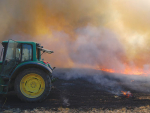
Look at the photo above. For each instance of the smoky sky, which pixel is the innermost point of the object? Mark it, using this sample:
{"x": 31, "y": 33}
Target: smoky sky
{"x": 85, "y": 33}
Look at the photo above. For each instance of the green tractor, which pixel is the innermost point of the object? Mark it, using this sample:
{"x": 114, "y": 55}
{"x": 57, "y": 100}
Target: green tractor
{"x": 22, "y": 70}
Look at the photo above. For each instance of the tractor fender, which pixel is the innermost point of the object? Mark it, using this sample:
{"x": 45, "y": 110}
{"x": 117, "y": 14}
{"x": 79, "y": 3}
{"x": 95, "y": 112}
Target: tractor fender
{"x": 23, "y": 66}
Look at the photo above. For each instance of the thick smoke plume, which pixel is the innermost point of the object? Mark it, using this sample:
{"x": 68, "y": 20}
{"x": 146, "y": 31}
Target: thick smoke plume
{"x": 104, "y": 28}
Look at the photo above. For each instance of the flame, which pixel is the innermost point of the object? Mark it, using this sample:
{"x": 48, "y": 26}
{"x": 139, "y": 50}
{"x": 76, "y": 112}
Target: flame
{"x": 126, "y": 93}
{"x": 108, "y": 70}
{"x": 127, "y": 70}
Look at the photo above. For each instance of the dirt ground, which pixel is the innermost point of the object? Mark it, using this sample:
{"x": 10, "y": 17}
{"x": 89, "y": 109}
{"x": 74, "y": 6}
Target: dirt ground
{"x": 80, "y": 95}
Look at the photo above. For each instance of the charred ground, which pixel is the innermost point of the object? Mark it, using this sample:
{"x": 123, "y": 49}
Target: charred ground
{"x": 76, "y": 91}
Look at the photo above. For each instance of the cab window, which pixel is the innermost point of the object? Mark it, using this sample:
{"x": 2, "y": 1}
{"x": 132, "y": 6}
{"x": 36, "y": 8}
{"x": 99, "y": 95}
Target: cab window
{"x": 26, "y": 52}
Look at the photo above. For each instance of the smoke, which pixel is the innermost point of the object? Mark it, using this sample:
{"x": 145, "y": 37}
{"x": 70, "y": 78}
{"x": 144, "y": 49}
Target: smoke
{"x": 127, "y": 21}
{"x": 98, "y": 79}
{"x": 39, "y": 17}
{"x": 97, "y": 46}
{"x": 113, "y": 83}
{"x": 133, "y": 28}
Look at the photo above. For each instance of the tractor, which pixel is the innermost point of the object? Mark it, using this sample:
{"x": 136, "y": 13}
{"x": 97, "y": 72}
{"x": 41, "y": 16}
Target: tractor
{"x": 23, "y": 71}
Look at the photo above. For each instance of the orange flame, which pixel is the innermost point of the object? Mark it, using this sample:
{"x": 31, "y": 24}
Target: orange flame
{"x": 127, "y": 70}
{"x": 126, "y": 93}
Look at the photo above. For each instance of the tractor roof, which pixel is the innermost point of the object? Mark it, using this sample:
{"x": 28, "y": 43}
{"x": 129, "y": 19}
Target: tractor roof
{"x": 24, "y": 42}
{"x": 38, "y": 45}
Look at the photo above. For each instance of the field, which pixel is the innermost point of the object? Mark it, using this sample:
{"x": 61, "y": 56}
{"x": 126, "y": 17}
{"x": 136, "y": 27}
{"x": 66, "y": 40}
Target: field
{"x": 86, "y": 93}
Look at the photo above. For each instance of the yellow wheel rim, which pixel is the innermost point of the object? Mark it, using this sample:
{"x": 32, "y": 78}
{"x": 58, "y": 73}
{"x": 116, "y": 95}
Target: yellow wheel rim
{"x": 32, "y": 85}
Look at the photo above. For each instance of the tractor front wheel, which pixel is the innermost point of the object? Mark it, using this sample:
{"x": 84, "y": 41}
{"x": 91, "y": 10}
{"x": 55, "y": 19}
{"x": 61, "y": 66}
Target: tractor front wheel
{"x": 32, "y": 85}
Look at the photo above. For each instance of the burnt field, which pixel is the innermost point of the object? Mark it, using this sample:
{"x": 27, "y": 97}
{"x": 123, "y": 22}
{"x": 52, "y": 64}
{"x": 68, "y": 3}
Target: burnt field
{"x": 82, "y": 89}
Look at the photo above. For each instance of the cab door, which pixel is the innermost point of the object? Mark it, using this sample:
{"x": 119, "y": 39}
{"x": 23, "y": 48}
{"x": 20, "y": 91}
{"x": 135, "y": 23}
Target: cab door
{"x": 11, "y": 58}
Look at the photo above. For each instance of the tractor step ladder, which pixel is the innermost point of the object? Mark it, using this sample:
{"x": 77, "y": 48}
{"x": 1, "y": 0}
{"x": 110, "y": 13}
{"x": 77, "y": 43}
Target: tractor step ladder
{"x": 4, "y": 87}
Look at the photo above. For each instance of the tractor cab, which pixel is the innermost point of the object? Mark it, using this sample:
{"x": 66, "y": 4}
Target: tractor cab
{"x": 18, "y": 57}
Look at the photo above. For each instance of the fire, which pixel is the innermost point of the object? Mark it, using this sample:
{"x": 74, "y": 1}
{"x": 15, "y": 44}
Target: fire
{"x": 108, "y": 70}
{"x": 127, "y": 70}
{"x": 127, "y": 94}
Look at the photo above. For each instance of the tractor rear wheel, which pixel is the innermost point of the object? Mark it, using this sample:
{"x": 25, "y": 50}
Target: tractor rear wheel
{"x": 32, "y": 85}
